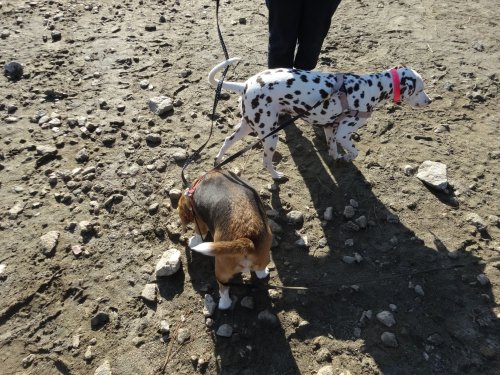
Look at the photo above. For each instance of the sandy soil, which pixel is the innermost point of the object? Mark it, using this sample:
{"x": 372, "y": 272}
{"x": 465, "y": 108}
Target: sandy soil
{"x": 70, "y": 301}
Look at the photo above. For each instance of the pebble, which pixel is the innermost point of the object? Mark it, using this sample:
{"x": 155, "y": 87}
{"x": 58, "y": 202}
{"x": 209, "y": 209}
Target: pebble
{"x": 246, "y": 302}
{"x": 82, "y": 156}
{"x": 295, "y": 217}
{"x": 408, "y": 170}
{"x": 327, "y": 370}
{"x": 302, "y": 242}
{"x": 349, "y": 242}
{"x": 389, "y": 339}
{"x": 225, "y": 330}
{"x": 88, "y": 356}
{"x": 386, "y": 318}
{"x": 435, "y": 339}
{"x": 348, "y": 259}
{"x": 169, "y": 263}
{"x": 348, "y": 212}
{"x": 49, "y": 242}
{"x": 483, "y": 279}
{"x": 13, "y": 70}
{"x": 160, "y": 105}
{"x": 56, "y": 36}
{"x": 2, "y": 269}
{"x": 46, "y": 150}
{"x": 354, "y": 203}
{"x": 419, "y": 290}
{"x": 267, "y": 318}
{"x": 164, "y": 327}
{"x": 209, "y": 306}
{"x": 476, "y": 220}
{"x": 362, "y": 222}
{"x": 75, "y": 343}
{"x": 16, "y": 210}
{"x": 183, "y": 335}
{"x": 103, "y": 369}
{"x": 153, "y": 139}
{"x": 149, "y": 293}
{"x": 323, "y": 355}
{"x": 99, "y": 319}
{"x": 144, "y": 84}
{"x": 28, "y": 360}
{"x": 434, "y": 175}
{"x": 328, "y": 215}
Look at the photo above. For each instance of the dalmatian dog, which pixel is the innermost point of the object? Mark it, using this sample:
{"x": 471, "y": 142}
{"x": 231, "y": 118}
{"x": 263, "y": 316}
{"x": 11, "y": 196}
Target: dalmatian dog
{"x": 340, "y": 103}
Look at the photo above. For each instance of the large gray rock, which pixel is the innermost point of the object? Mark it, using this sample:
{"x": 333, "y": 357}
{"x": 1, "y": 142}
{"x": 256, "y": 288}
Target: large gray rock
{"x": 433, "y": 174}
{"x": 103, "y": 369}
{"x": 169, "y": 263}
{"x": 160, "y": 105}
{"x": 49, "y": 242}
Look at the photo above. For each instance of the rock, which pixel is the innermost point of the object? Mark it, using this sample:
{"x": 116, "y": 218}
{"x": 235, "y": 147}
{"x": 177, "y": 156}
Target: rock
{"x": 386, "y": 318}
{"x": 108, "y": 140}
{"x": 323, "y": 355}
{"x": 149, "y": 293}
{"x": 43, "y": 150}
{"x": 13, "y": 70}
{"x": 349, "y": 242}
{"x": 174, "y": 195}
{"x": 295, "y": 217}
{"x": 246, "y": 302}
{"x": 49, "y": 242}
{"x": 103, "y": 369}
{"x": 169, "y": 263}
{"x": 153, "y": 139}
{"x": 476, "y": 220}
{"x": 75, "y": 343}
{"x": 88, "y": 356}
{"x": 435, "y": 339}
{"x": 164, "y": 327}
{"x": 389, "y": 339}
{"x": 267, "y": 318}
{"x": 56, "y": 36}
{"x": 100, "y": 319}
{"x": 16, "y": 210}
{"x": 225, "y": 330}
{"x": 348, "y": 259}
{"x": 82, "y": 156}
{"x": 434, "y": 175}
{"x": 160, "y": 105}
{"x": 28, "y": 360}
{"x": 3, "y": 267}
{"x": 183, "y": 335}
{"x": 302, "y": 242}
{"x": 408, "y": 170}
{"x": 209, "y": 306}
{"x": 419, "y": 290}
{"x": 327, "y": 370}
{"x": 77, "y": 250}
{"x": 180, "y": 156}
{"x": 144, "y": 84}
{"x": 483, "y": 279}
{"x": 348, "y": 212}
{"x": 328, "y": 215}
{"x": 362, "y": 222}
{"x": 487, "y": 351}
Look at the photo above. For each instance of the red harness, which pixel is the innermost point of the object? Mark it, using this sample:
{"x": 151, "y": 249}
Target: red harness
{"x": 396, "y": 84}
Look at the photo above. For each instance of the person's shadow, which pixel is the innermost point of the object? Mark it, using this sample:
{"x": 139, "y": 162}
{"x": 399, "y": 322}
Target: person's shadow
{"x": 354, "y": 269}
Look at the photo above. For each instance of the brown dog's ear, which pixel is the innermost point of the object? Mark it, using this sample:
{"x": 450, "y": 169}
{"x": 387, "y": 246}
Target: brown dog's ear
{"x": 185, "y": 210}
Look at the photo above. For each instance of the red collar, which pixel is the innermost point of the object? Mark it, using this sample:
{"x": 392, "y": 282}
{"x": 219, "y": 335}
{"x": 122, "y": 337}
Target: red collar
{"x": 190, "y": 192}
{"x": 396, "y": 84}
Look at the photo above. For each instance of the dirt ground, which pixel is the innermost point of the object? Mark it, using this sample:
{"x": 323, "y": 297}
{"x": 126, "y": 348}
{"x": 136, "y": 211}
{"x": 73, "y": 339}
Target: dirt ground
{"x": 89, "y": 177}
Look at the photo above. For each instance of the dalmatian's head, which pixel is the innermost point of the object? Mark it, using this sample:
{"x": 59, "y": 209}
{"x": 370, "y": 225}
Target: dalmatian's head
{"x": 412, "y": 88}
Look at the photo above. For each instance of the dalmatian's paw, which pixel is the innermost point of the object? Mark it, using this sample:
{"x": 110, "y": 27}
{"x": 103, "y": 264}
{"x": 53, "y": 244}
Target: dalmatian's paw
{"x": 195, "y": 241}
{"x": 279, "y": 176}
{"x": 262, "y": 274}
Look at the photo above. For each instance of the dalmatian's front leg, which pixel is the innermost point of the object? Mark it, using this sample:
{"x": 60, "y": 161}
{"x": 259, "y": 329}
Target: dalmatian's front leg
{"x": 330, "y": 134}
{"x": 242, "y": 130}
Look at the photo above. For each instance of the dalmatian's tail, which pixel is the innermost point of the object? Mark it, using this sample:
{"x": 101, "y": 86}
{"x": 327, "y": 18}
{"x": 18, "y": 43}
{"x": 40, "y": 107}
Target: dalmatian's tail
{"x": 232, "y": 86}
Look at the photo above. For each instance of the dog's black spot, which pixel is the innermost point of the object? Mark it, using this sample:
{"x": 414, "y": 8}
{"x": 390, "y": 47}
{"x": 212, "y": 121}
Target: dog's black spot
{"x": 380, "y": 87}
{"x": 356, "y": 87}
{"x": 362, "y": 95}
{"x": 289, "y": 96}
{"x": 296, "y": 101}
{"x": 269, "y": 99}
{"x": 261, "y": 125}
{"x": 370, "y": 83}
{"x": 303, "y": 78}
{"x": 329, "y": 84}
{"x": 387, "y": 74}
{"x": 260, "y": 81}
{"x": 271, "y": 149}
{"x": 297, "y": 92}
{"x": 369, "y": 107}
{"x": 262, "y": 132}
{"x": 255, "y": 102}
{"x": 323, "y": 112}
{"x": 356, "y": 103}
{"x": 268, "y": 113}
{"x": 257, "y": 118}
{"x": 323, "y": 93}
{"x": 290, "y": 82}
{"x": 372, "y": 99}
{"x": 326, "y": 104}
{"x": 349, "y": 90}
{"x": 317, "y": 79}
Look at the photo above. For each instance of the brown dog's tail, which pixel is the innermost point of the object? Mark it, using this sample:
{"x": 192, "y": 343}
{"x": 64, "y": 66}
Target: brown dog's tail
{"x": 225, "y": 248}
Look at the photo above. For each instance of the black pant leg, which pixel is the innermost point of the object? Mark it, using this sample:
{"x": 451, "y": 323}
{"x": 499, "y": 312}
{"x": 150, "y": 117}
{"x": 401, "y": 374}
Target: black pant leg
{"x": 313, "y": 29}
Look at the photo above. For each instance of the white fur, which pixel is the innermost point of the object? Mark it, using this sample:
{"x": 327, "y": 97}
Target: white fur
{"x": 195, "y": 240}
{"x": 262, "y": 274}
{"x": 204, "y": 248}
{"x": 225, "y": 299}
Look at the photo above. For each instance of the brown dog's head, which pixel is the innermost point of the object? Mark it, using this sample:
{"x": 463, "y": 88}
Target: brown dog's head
{"x": 185, "y": 210}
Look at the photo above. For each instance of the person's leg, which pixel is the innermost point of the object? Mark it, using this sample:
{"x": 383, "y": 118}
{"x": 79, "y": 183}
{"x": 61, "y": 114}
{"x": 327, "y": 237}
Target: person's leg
{"x": 284, "y": 20}
{"x": 313, "y": 29}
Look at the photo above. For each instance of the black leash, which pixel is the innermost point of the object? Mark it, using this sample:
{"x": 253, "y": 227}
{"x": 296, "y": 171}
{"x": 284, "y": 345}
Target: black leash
{"x": 218, "y": 90}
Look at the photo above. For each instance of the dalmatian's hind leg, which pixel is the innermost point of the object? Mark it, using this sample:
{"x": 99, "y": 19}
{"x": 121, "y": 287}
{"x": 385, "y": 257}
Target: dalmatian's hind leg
{"x": 242, "y": 130}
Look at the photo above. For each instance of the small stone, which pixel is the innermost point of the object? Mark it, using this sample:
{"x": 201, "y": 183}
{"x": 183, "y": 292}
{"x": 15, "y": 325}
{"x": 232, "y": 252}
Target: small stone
{"x": 225, "y": 330}
{"x": 103, "y": 369}
{"x": 302, "y": 242}
{"x": 434, "y": 175}
{"x": 354, "y": 203}
{"x": 435, "y": 339}
{"x": 392, "y": 219}
{"x": 419, "y": 290}
{"x": 164, "y": 327}
{"x": 28, "y": 360}
{"x": 150, "y": 27}
{"x": 328, "y": 215}
{"x": 153, "y": 208}
{"x": 149, "y": 293}
{"x": 16, "y": 210}
{"x": 43, "y": 150}
{"x": 56, "y": 36}
{"x": 348, "y": 259}
{"x": 160, "y": 105}
{"x": 362, "y": 222}
{"x": 323, "y": 355}
{"x": 174, "y": 195}
{"x": 267, "y": 318}
{"x": 349, "y": 242}
{"x": 348, "y": 212}
{"x": 295, "y": 217}
{"x": 88, "y": 356}
{"x": 3, "y": 267}
{"x": 100, "y": 319}
{"x": 389, "y": 339}
{"x": 75, "y": 343}
{"x": 77, "y": 250}
{"x": 13, "y": 70}
{"x": 487, "y": 351}
{"x": 144, "y": 84}
{"x": 476, "y": 220}
{"x": 247, "y": 302}
{"x": 483, "y": 279}
{"x": 49, "y": 242}
{"x": 209, "y": 305}
{"x": 153, "y": 139}
{"x": 183, "y": 335}
{"x": 108, "y": 140}
{"x": 327, "y": 370}
{"x": 169, "y": 263}
{"x": 386, "y": 318}
{"x": 82, "y": 156}
{"x": 408, "y": 170}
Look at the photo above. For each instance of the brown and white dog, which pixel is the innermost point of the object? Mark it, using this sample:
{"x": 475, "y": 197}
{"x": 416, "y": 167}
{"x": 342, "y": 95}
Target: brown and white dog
{"x": 227, "y": 207}
{"x": 341, "y": 103}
